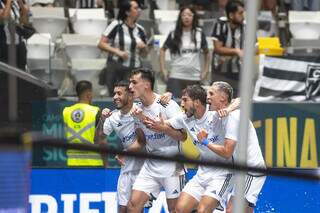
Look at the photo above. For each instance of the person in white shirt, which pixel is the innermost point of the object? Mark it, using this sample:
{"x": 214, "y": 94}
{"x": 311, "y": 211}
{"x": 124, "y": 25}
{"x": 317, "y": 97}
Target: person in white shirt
{"x": 187, "y": 45}
{"x": 209, "y": 186}
{"x": 122, "y": 123}
{"x": 155, "y": 174}
{"x": 219, "y": 95}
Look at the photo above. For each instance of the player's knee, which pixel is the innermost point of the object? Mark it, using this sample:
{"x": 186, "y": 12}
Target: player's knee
{"x": 135, "y": 205}
{"x": 203, "y": 209}
{"x": 132, "y": 206}
{"x": 180, "y": 208}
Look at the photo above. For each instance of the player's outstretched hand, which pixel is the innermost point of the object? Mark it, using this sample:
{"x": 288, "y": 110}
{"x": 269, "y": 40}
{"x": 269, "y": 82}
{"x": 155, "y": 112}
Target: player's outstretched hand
{"x": 106, "y": 113}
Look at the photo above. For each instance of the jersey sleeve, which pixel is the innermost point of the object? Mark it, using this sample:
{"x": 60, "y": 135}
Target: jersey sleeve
{"x": 111, "y": 30}
{"x": 169, "y": 42}
{"x": 219, "y": 32}
{"x": 176, "y": 122}
{"x": 142, "y": 34}
{"x": 172, "y": 109}
{"x": 232, "y": 127}
{"x": 107, "y": 127}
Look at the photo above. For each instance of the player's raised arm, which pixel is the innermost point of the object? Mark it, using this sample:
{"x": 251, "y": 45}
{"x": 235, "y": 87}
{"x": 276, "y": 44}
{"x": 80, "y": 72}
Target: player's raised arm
{"x": 226, "y": 150}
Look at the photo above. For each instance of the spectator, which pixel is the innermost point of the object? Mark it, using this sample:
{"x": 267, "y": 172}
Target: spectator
{"x": 228, "y": 45}
{"x": 124, "y": 40}
{"x": 16, "y": 10}
{"x": 186, "y": 45}
{"x": 80, "y": 121}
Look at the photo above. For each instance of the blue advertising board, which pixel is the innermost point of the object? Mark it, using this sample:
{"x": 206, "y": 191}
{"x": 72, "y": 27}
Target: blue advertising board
{"x": 94, "y": 190}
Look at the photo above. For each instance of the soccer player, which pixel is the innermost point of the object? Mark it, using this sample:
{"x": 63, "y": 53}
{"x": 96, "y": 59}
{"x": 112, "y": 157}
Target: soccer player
{"x": 209, "y": 186}
{"x": 122, "y": 123}
{"x": 155, "y": 174}
{"x": 220, "y": 94}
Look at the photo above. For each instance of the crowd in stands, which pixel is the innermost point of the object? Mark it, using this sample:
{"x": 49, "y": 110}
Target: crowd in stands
{"x": 200, "y": 43}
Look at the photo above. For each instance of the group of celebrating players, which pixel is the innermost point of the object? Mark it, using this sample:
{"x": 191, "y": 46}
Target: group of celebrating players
{"x": 157, "y": 125}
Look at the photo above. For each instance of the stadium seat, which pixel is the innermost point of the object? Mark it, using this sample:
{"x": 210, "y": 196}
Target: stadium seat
{"x": 49, "y": 20}
{"x": 303, "y": 47}
{"x": 166, "y": 20}
{"x": 88, "y": 21}
{"x": 304, "y": 24}
{"x": 270, "y": 46}
{"x": 166, "y": 14}
{"x": 40, "y": 48}
{"x": 88, "y": 69}
{"x": 267, "y": 26}
{"x": 166, "y": 26}
{"x": 81, "y": 46}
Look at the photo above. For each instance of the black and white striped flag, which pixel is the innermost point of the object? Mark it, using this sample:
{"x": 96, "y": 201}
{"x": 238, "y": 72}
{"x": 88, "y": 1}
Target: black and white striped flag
{"x": 287, "y": 79}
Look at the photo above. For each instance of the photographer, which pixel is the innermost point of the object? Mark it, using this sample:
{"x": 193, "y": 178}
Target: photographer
{"x": 17, "y": 11}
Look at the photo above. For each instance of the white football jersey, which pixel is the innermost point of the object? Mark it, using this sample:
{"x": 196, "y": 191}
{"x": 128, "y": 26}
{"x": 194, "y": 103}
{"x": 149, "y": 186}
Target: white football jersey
{"x": 254, "y": 154}
{"x": 160, "y": 143}
{"x": 214, "y": 126}
{"x": 123, "y": 125}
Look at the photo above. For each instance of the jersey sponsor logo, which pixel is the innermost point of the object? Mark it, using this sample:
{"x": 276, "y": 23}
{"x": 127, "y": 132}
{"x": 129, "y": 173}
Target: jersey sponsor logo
{"x": 77, "y": 115}
{"x": 186, "y": 51}
{"x": 214, "y": 138}
{"x": 155, "y": 136}
{"x": 128, "y": 137}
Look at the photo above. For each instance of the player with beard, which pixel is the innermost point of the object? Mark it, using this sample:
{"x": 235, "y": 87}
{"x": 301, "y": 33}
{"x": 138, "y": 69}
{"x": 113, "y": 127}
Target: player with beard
{"x": 122, "y": 123}
{"x": 209, "y": 186}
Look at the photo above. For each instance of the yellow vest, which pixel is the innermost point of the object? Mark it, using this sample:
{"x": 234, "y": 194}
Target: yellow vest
{"x": 80, "y": 120}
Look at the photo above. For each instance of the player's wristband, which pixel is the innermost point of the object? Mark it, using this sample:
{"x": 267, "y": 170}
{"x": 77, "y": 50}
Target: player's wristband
{"x": 205, "y": 142}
